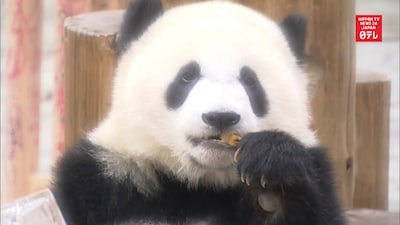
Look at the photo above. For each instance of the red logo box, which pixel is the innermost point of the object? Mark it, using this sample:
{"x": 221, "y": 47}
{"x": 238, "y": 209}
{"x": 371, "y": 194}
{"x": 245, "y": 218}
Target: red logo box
{"x": 368, "y": 28}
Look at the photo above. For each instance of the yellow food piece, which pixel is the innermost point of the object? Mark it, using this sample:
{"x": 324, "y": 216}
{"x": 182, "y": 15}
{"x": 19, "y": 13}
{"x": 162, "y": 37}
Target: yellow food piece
{"x": 231, "y": 139}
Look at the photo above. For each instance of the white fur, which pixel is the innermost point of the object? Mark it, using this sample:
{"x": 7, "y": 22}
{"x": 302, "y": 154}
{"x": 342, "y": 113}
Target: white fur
{"x": 221, "y": 37}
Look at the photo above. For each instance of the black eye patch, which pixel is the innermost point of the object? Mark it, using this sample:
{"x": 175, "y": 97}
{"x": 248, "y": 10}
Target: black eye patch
{"x": 181, "y": 86}
{"x": 258, "y": 100}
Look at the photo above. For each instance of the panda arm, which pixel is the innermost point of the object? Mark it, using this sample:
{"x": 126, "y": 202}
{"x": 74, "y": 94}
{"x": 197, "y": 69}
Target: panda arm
{"x": 87, "y": 196}
{"x": 327, "y": 206}
{"x": 287, "y": 183}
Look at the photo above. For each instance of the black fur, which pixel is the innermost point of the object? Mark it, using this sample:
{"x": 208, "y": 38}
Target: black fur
{"x": 183, "y": 83}
{"x": 299, "y": 177}
{"x": 138, "y": 17}
{"x": 294, "y": 27}
{"x": 248, "y": 78}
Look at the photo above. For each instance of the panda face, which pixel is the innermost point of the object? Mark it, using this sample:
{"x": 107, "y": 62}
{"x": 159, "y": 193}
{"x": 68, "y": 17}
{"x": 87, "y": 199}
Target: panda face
{"x": 199, "y": 71}
{"x": 210, "y": 104}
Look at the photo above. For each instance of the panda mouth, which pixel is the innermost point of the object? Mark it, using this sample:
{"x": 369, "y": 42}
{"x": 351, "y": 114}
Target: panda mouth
{"x": 215, "y": 151}
{"x": 214, "y": 138}
{"x": 213, "y": 142}
{"x": 199, "y": 140}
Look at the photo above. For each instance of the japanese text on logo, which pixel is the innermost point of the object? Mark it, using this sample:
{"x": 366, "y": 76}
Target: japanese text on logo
{"x": 368, "y": 28}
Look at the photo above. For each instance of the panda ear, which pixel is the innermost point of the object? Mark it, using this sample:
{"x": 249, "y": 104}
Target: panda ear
{"x": 294, "y": 27}
{"x": 139, "y": 15}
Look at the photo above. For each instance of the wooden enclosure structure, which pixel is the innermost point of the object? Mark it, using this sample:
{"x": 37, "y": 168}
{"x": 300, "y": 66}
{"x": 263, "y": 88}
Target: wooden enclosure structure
{"x": 91, "y": 59}
{"x": 372, "y": 120}
{"x": 20, "y": 137}
{"x": 21, "y": 96}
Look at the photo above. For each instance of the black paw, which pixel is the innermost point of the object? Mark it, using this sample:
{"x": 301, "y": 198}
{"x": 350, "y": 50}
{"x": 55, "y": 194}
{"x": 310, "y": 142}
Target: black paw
{"x": 271, "y": 164}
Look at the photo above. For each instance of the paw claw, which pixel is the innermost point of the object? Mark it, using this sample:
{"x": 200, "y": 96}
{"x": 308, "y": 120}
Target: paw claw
{"x": 242, "y": 178}
{"x": 263, "y": 181}
{"x": 236, "y": 155}
{"x": 247, "y": 181}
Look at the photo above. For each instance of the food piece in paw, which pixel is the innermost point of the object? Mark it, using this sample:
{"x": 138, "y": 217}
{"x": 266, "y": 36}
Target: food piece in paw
{"x": 231, "y": 139}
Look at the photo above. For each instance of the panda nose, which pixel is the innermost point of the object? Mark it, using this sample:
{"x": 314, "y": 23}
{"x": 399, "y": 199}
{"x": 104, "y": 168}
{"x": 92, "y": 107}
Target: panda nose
{"x": 220, "y": 120}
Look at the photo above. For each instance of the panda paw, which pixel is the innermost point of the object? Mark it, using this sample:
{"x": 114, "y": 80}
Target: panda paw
{"x": 271, "y": 164}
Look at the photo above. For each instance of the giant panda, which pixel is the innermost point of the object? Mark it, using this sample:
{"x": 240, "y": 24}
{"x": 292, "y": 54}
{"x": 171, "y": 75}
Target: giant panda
{"x": 185, "y": 77}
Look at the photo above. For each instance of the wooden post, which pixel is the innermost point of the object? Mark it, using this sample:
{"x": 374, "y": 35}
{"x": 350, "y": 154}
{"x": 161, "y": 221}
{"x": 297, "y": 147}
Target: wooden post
{"x": 372, "y": 110}
{"x": 89, "y": 69}
{"x": 331, "y": 46}
{"x": 330, "y": 57}
{"x": 67, "y": 9}
{"x": 22, "y": 85}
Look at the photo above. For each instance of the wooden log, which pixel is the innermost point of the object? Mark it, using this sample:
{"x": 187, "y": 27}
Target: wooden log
{"x": 89, "y": 69}
{"x": 65, "y": 9}
{"x": 372, "y": 110}
{"x": 68, "y": 9}
{"x": 330, "y": 48}
{"x": 22, "y": 87}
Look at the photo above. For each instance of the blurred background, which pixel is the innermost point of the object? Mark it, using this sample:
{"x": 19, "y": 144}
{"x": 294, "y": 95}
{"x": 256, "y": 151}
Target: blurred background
{"x": 381, "y": 57}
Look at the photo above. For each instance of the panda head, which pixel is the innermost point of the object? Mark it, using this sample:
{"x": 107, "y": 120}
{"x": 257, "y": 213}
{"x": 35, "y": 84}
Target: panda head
{"x": 194, "y": 72}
